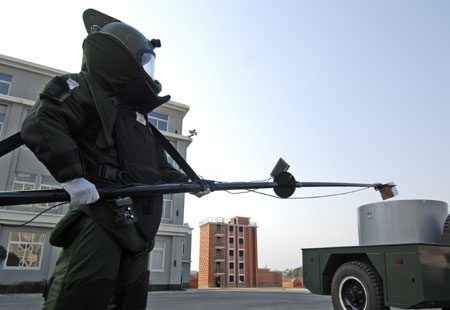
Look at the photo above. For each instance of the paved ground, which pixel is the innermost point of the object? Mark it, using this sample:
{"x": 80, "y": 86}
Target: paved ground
{"x": 231, "y": 299}
{"x": 223, "y": 299}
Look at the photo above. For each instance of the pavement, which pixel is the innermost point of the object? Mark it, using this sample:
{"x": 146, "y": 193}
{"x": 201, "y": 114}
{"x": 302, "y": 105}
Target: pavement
{"x": 205, "y": 299}
{"x": 198, "y": 299}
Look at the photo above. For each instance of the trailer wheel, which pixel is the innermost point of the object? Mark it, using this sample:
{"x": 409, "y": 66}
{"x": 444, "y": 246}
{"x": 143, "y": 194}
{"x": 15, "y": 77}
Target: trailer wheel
{"x": 447, "y": 225}
{"x": 357, "y": 286}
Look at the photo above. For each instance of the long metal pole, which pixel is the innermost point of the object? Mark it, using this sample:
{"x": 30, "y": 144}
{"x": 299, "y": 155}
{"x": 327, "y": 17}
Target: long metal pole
{"x": 59, "y": 195}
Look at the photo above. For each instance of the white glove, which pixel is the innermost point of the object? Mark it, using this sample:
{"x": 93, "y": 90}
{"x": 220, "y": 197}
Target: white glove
{"x": 81, "y": 191}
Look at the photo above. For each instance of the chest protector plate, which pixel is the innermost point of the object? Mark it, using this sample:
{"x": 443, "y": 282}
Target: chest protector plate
{"x": 136, "y": 147}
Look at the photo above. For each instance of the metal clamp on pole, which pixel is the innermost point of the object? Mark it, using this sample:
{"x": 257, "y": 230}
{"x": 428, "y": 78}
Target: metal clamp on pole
{"x": 387, "y": 190}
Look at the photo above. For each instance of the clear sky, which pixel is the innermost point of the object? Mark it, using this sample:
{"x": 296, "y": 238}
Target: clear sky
{"x": 345, "y": 91}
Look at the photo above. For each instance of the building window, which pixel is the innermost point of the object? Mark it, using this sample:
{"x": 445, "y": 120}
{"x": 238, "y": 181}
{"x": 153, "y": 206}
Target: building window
{"x": 231, "y": 279}
{"x": 241, "y": 229}
{"x": 231, "y": 239}
{"x": 231, "y": 252}
{"x": 218, "y": 229}
{"x": 157, "y": 256}
{"x": 183, "y": 248}
{"x": 241, "y": 265}
{"x": 241, "y": 253}
{"x": 170, "y": 160}
{"x": 2, "y": 121}
{"x": 48, "y": 183}
{"x": 241, "y": 240}
{"x": 25, "y": 250}
{"x": 167, "y": 206}
{"x": 231, "y": 265}
{"x": 160, "y": 121}
{"x": 5, "y": 84}
{"x": 231, "y": 228}
{"x": 24, "y": 181}
{"x": 241, "y": 278}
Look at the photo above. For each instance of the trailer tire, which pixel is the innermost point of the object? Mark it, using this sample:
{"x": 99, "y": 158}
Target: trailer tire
{"x": 447, "y": 226}
{"x": 357, "y": 286}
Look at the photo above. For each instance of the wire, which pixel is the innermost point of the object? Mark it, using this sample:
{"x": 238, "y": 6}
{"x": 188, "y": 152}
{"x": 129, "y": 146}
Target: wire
{"x": 37, "y": 215}
{"x": 294, "y": 198}
{"x": 309, "y": 197}
{"x": 248, "y": 190}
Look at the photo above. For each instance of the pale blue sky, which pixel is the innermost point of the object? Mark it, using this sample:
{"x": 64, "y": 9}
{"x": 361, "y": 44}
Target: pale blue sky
{"x": 345, "y": 91}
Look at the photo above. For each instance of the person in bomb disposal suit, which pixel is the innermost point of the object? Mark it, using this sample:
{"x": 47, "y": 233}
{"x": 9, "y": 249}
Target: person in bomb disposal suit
{"x": 90, "y": 130}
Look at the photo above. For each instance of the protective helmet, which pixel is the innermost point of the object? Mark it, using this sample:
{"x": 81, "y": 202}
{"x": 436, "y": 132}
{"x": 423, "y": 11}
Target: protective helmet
{"x": 136, "y": 42}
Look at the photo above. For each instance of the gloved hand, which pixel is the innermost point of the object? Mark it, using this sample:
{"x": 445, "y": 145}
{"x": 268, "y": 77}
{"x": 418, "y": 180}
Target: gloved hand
{"x": 81, "y": 191}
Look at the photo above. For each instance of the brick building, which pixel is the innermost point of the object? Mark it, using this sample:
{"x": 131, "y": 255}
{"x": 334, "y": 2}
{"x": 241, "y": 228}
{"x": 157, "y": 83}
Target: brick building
{"x": 229, "y": 255}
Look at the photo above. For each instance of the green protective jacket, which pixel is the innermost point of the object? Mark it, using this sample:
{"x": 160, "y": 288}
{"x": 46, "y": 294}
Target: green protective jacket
{"x": 69, "y": 129}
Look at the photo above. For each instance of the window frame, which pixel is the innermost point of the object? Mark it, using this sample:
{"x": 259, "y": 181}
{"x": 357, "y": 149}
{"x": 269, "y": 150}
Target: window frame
{"x": 243, "y": 265}
{"x": 165, "y": 204}
{"x": 229, "y": 252}
{"x": 47, "y": 186}
{"x": 241, "y": 251}
{"x": 160, "y": 119}
{"x": 24, "y": 183}
{"x": 6, "y": 82}
{"x": 27, "y": 243}
{"x": 2, "y": 121}
{"x": 231, "y": 266}
{"x": 155, "y": 250}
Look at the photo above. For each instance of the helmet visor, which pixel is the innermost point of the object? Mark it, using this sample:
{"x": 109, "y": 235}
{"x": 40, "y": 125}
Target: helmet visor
{"x": 148, "y": 63}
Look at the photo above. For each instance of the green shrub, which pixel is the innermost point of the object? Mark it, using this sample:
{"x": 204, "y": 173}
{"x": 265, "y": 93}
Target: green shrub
{"x": 26, "y": 287}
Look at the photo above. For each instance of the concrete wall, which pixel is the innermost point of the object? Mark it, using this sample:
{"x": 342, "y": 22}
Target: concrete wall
{"x": 267, "y": 278}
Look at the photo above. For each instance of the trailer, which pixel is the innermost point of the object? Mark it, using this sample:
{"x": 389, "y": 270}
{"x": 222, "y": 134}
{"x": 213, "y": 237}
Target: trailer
{"x": 402, "y": 260}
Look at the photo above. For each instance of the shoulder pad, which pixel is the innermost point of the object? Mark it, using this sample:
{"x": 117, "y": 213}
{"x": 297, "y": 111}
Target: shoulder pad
{"x": 59, "y": 88}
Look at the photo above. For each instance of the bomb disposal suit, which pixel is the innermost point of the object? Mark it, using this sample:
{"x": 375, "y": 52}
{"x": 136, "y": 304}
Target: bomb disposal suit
{"x": 90, "y": 130}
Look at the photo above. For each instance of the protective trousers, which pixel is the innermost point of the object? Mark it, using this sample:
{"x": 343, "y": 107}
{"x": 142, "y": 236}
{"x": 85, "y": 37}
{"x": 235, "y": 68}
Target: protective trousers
{"x": 94, "y": 272}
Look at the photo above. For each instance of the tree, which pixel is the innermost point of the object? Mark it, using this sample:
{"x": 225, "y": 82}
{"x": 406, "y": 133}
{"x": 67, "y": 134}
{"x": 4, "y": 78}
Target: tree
{"x": 296, "y": 273}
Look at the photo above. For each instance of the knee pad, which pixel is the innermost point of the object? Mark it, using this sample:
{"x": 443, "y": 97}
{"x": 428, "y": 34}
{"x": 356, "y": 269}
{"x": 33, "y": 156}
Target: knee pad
{"x": 92, "y": 295}
{"x": 135, "y": 296}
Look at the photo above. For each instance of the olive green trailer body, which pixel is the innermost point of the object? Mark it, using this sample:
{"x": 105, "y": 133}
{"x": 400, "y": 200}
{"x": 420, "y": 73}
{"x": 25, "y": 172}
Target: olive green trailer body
{"x": 408, "y": 276}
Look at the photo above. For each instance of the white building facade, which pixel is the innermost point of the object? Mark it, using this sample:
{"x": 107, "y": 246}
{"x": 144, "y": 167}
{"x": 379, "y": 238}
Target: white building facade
{"x": 30, "y": 256}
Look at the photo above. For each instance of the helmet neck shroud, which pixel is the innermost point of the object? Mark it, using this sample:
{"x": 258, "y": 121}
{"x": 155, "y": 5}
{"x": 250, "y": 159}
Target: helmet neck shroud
{"x": 110, "y": 62}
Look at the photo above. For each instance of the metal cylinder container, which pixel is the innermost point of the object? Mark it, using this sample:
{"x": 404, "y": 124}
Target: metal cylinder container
{"x": 401, "y": 221}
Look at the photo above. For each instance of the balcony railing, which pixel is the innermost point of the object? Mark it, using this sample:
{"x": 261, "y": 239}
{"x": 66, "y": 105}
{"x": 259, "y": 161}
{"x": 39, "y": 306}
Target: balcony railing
{"x": 219, "y": 258}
